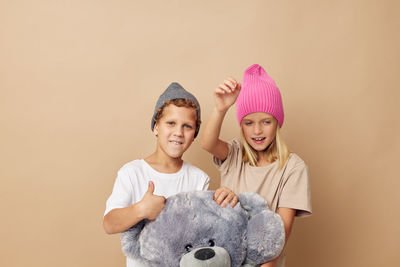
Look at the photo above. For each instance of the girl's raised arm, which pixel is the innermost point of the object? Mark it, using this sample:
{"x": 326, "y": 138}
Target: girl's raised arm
{"x": 225, "y": 96}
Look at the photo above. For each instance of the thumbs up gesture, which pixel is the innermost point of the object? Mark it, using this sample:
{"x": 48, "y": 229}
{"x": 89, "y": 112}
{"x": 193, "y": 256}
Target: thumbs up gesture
{"x": 151, "y": 205}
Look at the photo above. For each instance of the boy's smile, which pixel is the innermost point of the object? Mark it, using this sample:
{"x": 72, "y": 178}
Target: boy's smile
{"x": 175, "y": 130}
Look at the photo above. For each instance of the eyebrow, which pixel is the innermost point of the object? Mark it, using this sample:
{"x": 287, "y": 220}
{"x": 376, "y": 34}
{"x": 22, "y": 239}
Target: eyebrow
{"x": 262, "y": 119}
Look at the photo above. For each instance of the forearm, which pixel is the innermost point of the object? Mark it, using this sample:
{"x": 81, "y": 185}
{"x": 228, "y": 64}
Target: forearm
{"x": 120, "y": 220}
{"x": 271, "y": 263}
{"x": 212, "y": 130}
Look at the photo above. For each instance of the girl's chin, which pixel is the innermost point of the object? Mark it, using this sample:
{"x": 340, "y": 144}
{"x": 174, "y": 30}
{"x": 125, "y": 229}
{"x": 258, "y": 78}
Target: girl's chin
{"x": 260, "y": 147}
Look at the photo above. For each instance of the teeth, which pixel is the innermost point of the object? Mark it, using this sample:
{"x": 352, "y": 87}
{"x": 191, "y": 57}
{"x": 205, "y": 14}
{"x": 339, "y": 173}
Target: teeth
{"x": 259, "y": 139}
{"x": 177, "y": 143}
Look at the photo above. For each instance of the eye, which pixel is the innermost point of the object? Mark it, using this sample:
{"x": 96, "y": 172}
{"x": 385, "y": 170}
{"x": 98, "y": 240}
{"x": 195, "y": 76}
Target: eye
{"x": 171, "y": 123}
{"x": 211, "y": 243}
{"x": 188, "y": 126}
{"x": 188, "y": 247}
{"x": 267, "y": 122}
{"x": 248, "y": 123}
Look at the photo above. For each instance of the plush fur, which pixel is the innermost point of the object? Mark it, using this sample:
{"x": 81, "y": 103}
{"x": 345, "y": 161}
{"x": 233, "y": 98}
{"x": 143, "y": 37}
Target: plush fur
{"x": 192, "y": 230}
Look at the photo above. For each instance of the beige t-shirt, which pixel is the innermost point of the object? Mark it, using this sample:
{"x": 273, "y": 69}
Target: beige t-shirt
{"x": 288, "y": 187}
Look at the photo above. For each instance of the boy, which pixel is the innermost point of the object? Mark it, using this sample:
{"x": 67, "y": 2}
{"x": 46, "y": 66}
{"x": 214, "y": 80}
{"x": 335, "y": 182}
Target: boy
{"x": 142, "y": 185}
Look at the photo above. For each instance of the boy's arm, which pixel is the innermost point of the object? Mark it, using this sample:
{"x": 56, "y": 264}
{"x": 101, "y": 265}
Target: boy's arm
{"x": 225, "y": 96}
{"x": 120, "y": 220}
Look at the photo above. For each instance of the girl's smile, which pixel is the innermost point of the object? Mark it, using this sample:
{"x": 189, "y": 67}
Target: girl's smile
{"x": 258, "y": 140}
{"x": 259, "y": 130}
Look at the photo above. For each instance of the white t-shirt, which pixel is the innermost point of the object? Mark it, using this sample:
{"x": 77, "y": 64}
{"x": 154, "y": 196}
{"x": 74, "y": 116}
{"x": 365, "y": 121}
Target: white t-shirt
{"x": 133, "y": 180}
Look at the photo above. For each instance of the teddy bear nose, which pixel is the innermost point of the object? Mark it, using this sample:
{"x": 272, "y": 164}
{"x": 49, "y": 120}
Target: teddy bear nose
{"x": 204, "y": 254}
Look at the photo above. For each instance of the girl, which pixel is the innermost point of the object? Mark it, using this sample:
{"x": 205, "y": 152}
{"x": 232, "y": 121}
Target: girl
{"x": 259, "y": 161}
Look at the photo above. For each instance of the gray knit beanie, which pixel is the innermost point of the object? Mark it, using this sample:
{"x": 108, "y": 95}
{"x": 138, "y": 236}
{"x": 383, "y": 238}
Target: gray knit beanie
{"x": 175, "y": 91}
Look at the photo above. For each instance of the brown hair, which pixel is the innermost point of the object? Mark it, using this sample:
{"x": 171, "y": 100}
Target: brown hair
{"x": 180, "y": 102}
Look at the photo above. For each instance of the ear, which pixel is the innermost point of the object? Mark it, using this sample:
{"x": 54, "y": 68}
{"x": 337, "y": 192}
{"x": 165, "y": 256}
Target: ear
{"x": 155, "y": 130}
{"x": 130, "y": 240}
{"x": 265, "y": 230}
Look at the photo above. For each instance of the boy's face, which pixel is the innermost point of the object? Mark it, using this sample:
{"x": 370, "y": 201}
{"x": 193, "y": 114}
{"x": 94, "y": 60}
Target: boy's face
{"x": 175, "y": 130}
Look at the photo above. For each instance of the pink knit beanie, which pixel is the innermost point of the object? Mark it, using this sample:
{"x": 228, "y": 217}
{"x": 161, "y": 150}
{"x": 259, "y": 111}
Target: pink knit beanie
{"x": 259, "y": 94}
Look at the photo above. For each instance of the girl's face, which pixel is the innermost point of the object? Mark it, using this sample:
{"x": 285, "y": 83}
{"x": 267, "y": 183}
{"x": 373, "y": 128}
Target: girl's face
{"x": 259, "y": 130}
{"x": 175, "y": 130}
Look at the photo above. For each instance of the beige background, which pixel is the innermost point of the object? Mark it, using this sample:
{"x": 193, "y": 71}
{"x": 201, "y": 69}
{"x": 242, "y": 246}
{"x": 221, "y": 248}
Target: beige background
{"x": 79, "y": 80}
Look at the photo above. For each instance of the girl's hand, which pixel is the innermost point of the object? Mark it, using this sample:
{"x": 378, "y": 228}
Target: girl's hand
{"x": 226, "y": 93}
{"x": 224, "y": 196}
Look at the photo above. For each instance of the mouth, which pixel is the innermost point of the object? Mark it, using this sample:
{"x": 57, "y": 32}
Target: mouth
{"x": 177, "y": 143}
{"x": 258, "y": 140}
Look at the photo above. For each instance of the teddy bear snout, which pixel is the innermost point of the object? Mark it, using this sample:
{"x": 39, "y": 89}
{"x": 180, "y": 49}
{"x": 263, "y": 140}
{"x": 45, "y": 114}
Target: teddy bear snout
{"x": 204, "y": 254}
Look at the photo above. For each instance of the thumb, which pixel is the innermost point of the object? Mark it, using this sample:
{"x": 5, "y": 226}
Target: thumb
{"x": 151, "y": 187}
{"x": 238, "y": 86}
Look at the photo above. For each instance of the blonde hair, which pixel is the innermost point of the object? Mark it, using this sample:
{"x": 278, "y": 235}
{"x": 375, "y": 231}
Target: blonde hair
{"x": 277, "y": 150}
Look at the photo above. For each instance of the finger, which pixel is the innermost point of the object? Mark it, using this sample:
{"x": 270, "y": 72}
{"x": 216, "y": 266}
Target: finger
{"x": 221, "y": 197}
{"x": 225, "y": 87}
{"x": 228, "y": 199}
{"x": 238, "y": 86}
{"x": 234, "y": 201}
{"x": 218, "y": 192}
{"x": 232, "y": 79}
{"x": 150, "y": 189}
{"x": 230, "y": 84}
{"x": 162, "y": 200}
{"x": 219, "y": 91}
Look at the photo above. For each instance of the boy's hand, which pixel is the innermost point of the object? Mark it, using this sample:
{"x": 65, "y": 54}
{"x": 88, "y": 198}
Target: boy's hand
{"x": 226, "y": 93}
{"x": 151, "y": 204}
{"x": 224, "y": 196}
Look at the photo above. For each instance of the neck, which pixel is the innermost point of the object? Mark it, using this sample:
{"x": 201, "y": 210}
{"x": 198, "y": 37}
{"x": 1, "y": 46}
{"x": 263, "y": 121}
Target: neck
{"x": 262, "y": 159}
{"x": 262, "y": 162}
{"x": 165, "y": 164}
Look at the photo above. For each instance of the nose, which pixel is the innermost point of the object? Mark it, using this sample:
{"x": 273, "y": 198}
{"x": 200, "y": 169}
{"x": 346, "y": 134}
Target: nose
{"x": 178, "y": 131}
{"x": 257, "y": 129}
{"x": 204, "y": 254}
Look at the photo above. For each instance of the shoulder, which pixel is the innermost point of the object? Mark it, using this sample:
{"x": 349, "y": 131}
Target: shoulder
{"x": 132, "y": 165}
{"x": 295, "y": 161}
{"x": 193, "y": 170}
{"x": 133, "y": 169}
{"x": 236, "y": 143}
{"x": 296, "y": 166}
{"x": 234, "y": 157}
{"x": 235, "y": 147}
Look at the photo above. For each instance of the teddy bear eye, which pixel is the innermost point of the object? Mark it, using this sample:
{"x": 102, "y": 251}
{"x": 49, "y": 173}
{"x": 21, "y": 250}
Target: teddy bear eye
{"x": 211, "y": 243}
{"x": 188, "y": 247}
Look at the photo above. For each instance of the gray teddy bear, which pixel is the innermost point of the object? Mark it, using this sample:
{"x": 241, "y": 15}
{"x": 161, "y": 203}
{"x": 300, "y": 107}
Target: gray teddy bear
{"x": 192, "y": 230}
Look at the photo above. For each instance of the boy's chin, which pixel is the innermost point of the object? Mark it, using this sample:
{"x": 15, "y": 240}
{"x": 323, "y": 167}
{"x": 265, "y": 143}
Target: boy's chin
{"x": 175, "y": 155}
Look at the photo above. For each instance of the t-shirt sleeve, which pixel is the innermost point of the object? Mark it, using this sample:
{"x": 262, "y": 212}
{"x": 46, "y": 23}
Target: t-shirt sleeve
{"x": 231, "y": 159}
{"x": 296, "y": 193}
{"x": 121, "y": 195}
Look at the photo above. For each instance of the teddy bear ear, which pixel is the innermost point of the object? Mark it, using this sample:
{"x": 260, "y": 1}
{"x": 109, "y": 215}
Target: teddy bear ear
{"x": 253, "y": 203}
{"x": 265, "y": 230}
{"x": 130, "y": 240}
